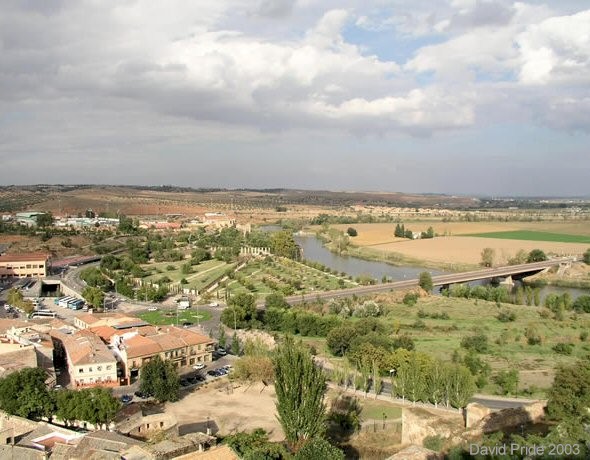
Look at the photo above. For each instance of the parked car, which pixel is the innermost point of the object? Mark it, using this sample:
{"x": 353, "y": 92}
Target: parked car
{"x": 141, "y": 395}
{"x": 126, "y": 399}
{"x": 212, "y": 373}
{"x": 214, "y": 304}
{"x": 187, "y": 324}
{"x": 153, "y": 309}
{"x": 199, "y": 366}
{"x": 184, "y": 383}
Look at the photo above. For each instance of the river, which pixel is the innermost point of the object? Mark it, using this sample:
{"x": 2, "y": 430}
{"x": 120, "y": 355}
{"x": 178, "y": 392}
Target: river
{"x": 314, "y": 250}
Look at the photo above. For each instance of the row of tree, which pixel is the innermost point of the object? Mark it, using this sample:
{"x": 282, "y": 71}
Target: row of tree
{"x": 24, "y": 393}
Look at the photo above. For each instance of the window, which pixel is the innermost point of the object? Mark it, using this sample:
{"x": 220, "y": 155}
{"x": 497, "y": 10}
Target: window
{"x": 199, "y": 347}
{"x": 80, "y": 371}
{"x": 99, "y": 368}
{"x": 109, "y": 367}
{"x": 89, "y": 369}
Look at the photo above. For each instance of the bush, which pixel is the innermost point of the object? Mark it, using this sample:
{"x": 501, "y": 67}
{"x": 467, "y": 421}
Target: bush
{"x": 536, "y": 255}
{"x": 477, "y": 342}
{"x": 351, "y": 231}
{"x": 433, "y": 442}
{"x": 410, "y": 299}
{"x": 506, "y": 316}
{"x": 563, "y": 348}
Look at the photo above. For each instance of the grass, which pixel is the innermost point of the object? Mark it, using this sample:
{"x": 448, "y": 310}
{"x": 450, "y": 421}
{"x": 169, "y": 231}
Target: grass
{"x": 168, "y": 316}
{"x": 530, "y": 235}
{"x": 375, "y": 409}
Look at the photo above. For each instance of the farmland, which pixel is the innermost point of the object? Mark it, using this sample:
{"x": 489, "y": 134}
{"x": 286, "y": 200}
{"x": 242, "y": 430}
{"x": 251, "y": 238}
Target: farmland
{"x": 285, "y": 276}
{"x": 458, "y": 245}
{"x": 528, "y": 235}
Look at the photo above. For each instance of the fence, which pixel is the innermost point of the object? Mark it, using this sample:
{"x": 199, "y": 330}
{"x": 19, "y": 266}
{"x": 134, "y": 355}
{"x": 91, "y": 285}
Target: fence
{"x": 375, "y": 426}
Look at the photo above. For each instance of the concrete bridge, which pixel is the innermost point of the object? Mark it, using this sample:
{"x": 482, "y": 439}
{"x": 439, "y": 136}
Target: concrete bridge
{"x": 513, "y": 271}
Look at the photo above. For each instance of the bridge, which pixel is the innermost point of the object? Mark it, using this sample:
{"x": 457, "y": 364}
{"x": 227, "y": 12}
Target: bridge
{"x": 514, "y": 271}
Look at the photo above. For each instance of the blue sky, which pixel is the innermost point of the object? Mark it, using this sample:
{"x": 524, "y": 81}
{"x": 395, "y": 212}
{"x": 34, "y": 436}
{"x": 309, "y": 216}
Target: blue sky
{"x": 458, "y": 96}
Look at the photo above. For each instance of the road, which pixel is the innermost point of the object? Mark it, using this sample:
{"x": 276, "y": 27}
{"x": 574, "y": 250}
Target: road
{"x": 439, "y": 280}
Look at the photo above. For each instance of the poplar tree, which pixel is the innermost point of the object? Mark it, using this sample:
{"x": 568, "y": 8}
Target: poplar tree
{"x": 300, "y": 386}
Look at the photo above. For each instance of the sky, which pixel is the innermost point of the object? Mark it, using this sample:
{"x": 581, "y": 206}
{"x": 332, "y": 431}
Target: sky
{"x": 474, "y": 97}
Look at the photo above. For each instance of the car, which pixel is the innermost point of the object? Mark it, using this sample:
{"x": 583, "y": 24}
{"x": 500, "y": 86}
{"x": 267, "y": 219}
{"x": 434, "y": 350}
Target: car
{"x": 153, "y": 309}
{"x": 200, "y": 366}
{"x": 187, "y": 324}
{"x": 214, "y": 304}
{"x": 212, "y": 373}
{"x": 126, "y": 399}
{"x": 193, "y": 380}
{"x": 141, "y": 395}
{"x": 200, "y": 377}
{"x": 221, "y": 352}
{"x": 184, "y": 383}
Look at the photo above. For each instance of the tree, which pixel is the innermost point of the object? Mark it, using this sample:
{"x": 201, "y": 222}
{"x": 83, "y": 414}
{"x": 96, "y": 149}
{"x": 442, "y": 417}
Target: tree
{"x": 461, "y": 385}
{"x": 351, "y": 231}
{"x": 339, "y": 339}
{"x": 45, "y": 220}
{"x": 222, "y": 339}
{"x": 275, "y": 300}
{"x": 569, "y": 396}
{"x": 96, "y": 405}
{"x": 586, "y": 257}
{"x": 255, "y": 446}
{"x": 508, "y": 381}
{"x": 536, "y": 255}
{"x": 160, "y": 379}
{"x": 487, "y": 257}
{"x": 283, "y": 244}
{"x": 319, "y": 449}
{"x": 519, "y": 258}
{"x": 425, "y": 281}
{"x": 25, "y": 394}
{"x": 93, "y": 296}
{"x": 300, "y": 386}
{"x": 235, "y": 344}
{"x": 582, "y": 304}
{"x": 476, "y": 342}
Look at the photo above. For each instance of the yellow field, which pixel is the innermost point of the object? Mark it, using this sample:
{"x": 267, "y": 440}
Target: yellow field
{"x": 452, "y": 248}
{"x": 467, "y": 249}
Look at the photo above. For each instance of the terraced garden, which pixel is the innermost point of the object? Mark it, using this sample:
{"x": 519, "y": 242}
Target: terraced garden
{"x": 263, "y": 277}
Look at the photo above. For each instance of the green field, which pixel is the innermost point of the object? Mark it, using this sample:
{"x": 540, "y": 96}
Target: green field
{"x": 169, "y": 316}
{"x": 530, "y": 235}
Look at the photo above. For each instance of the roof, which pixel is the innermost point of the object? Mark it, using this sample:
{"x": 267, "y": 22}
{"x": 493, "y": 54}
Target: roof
{"x": 84, "y": 347}
{"x": 6, "y": 324}
{"x": 27, "y": 257}
{"x": 108, "y": 319}
{"x": 104, "y": 332}
{"x": 150, "y": 340}
{"x": 222, "y": 452}
{"x": 102, "y": 445}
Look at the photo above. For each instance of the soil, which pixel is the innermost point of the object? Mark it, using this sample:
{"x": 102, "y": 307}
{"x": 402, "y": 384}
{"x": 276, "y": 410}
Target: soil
{"x": 244, "y": 409}
{"x": 467, "y": 250}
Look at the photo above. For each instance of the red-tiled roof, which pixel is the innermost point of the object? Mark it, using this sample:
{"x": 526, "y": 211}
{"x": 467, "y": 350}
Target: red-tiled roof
{"x": 28, "y": 257}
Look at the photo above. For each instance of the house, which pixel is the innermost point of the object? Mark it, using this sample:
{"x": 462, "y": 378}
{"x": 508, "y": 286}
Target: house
{"x": 30, "y": 265}
{"x": 93, "y": 320}
{"x": 28, "y": 218}
{"x": 90, "y": 362}
{"x": 136, "y": 346}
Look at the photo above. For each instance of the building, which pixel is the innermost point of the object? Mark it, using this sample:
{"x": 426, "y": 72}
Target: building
{"x": 136, "y": 346}
{"x": 90, "y": 362}
{"x": 218, "y": 220}
{"x": 28, "y": 218}
{"x": 91, "y": 320}
{"x": 31, "y": 265}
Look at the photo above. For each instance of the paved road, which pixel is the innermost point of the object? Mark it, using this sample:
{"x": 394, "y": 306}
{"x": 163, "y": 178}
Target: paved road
{"x": 439, "y": 280}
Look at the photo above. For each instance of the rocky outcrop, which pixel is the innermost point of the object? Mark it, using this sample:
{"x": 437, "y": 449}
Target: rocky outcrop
{"x": 419, "y": 423}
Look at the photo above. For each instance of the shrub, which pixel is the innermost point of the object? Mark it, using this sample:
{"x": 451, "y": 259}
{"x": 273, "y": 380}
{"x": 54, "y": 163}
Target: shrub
{"x": 433, "y": 442}
{"x": 584, "y": 336}
{"x": 506, "y": 316}
{"x": 563, "y": 348}
{"x": 351, "y": 231}
{"x": 476, "y": 342}
{"x": 410, "y": 299}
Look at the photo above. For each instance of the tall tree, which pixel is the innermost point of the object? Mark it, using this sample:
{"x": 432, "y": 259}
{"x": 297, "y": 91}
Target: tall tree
{"x": 25, "y": 394}
{"x": 569, "y": 397}
{"x": 160, "y": 379}
{"x": 487, "y": 257}
{"x": 300, "y": 386}
{"x": 283, "y": 244}
{"x": 425, "y": 281}
{"x": 536, "y": 255}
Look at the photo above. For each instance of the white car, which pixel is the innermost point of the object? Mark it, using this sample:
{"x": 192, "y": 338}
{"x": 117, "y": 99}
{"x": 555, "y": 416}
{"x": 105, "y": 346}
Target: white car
{"x": 153, "y": 309}
{"x": 198, "y": 367}
{"x": 214, "y": 304}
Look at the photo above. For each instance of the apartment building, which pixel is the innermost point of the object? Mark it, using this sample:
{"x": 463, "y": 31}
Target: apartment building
{"x": 137, "y": 346}
{"x": 31, "y": 265}
{"x": 90, "y": 362}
